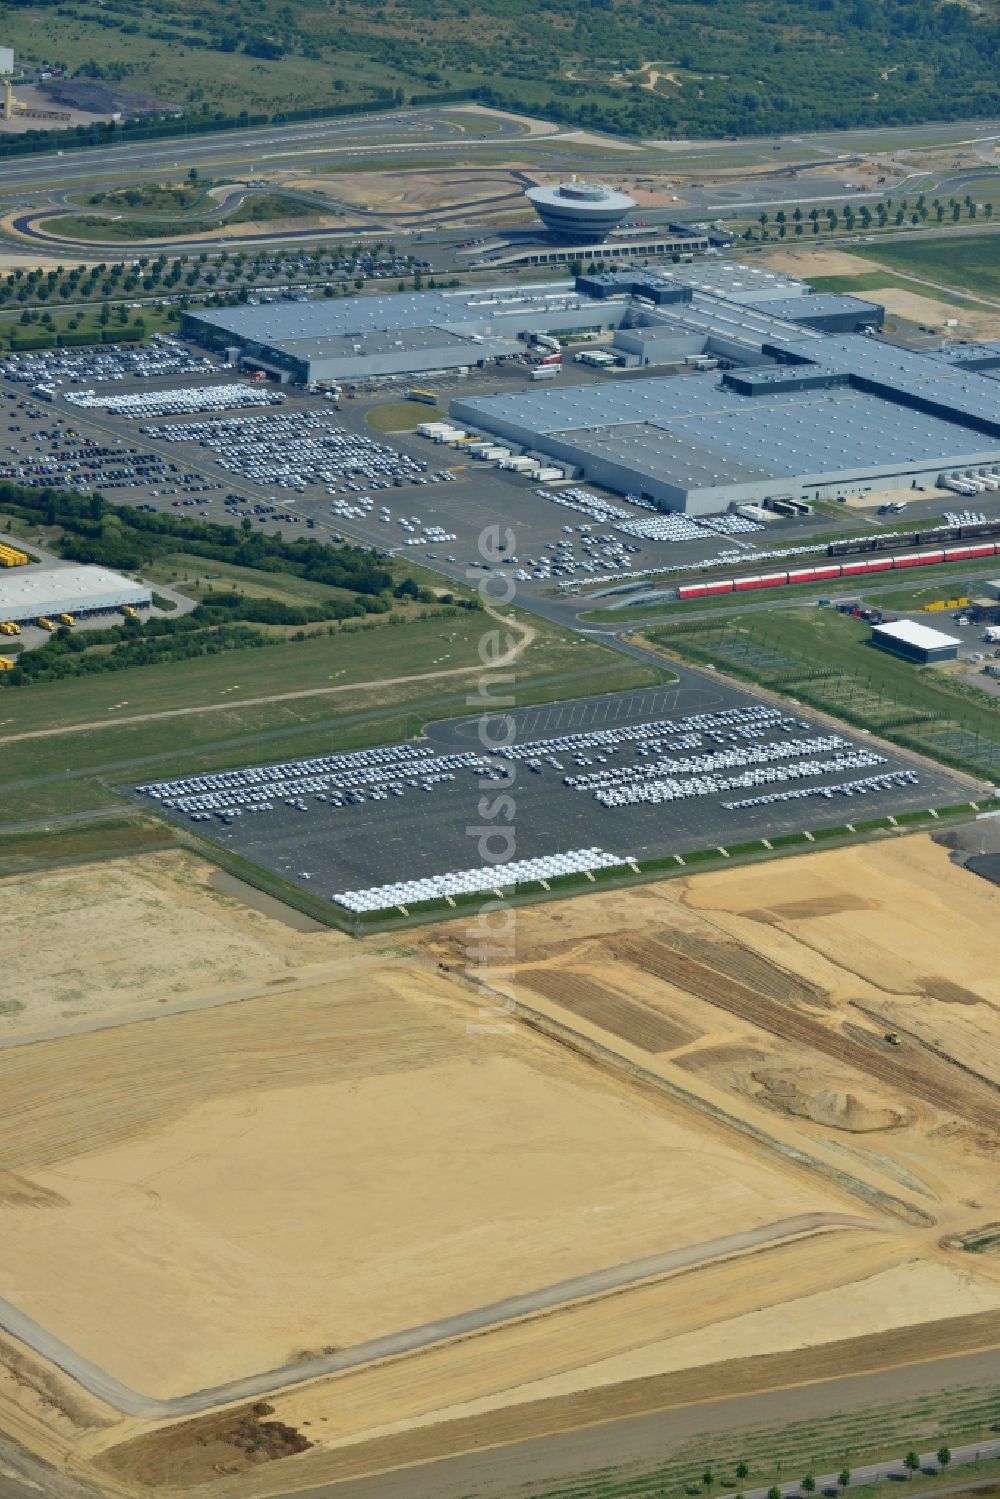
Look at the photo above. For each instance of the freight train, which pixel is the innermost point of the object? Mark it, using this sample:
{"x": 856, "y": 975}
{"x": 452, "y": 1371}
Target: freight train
{"x": 829, "y": 571}
{"x": 935, "y": 537}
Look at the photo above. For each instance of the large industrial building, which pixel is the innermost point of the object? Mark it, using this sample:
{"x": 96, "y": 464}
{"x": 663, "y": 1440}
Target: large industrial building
{"x": 793, "y": 401}
{"x": 401, "y": 334}
{"x": 33, "y": 593}
{"x": 793, "y": 413}
{"x": 332, "y": 341}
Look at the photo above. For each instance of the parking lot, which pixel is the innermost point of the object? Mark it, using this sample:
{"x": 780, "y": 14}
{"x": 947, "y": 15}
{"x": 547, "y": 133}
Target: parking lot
{"x": 627, "y": 776}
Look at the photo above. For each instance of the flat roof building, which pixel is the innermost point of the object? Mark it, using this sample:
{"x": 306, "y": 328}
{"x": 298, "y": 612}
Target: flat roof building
{"x": 400, "y": 334}
{"x": 916, "y": 642}
{"x": 35, "y": 592}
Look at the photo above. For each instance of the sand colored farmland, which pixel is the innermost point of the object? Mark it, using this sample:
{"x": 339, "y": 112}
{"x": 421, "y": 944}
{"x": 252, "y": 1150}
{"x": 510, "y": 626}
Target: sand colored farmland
{"x": 315, "y": 1144}
{"x": 83, "y": 946}
{"x": 371, "y": 1167}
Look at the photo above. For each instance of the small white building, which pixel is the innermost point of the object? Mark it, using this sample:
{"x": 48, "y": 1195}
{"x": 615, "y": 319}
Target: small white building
{"x": 916, "y": 642}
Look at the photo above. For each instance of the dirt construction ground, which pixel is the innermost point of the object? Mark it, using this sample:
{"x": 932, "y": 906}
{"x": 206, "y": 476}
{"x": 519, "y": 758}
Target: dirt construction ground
{"x": 268, "y": 1145}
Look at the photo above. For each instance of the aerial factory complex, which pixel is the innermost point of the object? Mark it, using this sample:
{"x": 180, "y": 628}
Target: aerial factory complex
{"x": 792, "y": 401}
{"x": 500, "y": 813}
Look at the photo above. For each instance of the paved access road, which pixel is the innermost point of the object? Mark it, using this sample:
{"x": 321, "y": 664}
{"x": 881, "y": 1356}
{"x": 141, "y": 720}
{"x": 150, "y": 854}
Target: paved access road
{"x": 598, "y": 1282}
{"x": 409, "y": 130}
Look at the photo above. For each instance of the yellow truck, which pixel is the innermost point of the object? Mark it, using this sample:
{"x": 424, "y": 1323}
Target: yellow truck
{"x": 8, "y": 627}
{"x": 12, "y": 556}
{"x": 67, "y": 619}
{"x": 130, "y": 611}
{"x": 6, "y": 664}
{"x": 45, "y": 622}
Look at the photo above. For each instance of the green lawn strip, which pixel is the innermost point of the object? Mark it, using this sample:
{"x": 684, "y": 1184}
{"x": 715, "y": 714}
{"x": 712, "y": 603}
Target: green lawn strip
{"x": 400, "y": 416}
{"x": 701, "y": 855}
{"x": 788, "y": 840}
{"x": 109, "y": 838}
{"x": 820, "y": 834}
{"x": 964, "y": 260}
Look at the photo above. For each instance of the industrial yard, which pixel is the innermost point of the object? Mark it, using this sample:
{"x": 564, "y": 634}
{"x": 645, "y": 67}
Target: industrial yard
{"x": 711, "y": 1054}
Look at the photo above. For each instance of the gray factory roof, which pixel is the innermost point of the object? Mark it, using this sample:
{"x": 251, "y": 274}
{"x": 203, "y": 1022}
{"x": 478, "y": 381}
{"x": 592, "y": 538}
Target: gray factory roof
{"x": 710, "y": 429}
{"x": 581, "y": 407}
{"x": 816, "y": 304}
{"x": 805, "y": 433}
{"x": 378, "y": 341}
{"x": 283, "y": 323}
{"x": 672, "y": 455}
{"x": 27, "y": 592}
{"x": 903, "y": 373}
{"x": 735, "y": 281}
{"x": 984, "y": 358}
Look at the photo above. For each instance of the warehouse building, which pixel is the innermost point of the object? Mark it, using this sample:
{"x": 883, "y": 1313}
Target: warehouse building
{"x": 713, "y": 308}
{"x": 46, "y": 592}
{"x": 793, "y": 414}
{"x": 401, "y": 334}
{"x": 916, "y": 642}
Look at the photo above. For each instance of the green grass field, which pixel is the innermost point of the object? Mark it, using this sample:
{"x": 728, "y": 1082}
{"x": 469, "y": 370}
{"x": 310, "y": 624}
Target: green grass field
{"x": 825, "y": 659}
{"x": 125, "y": 227}
{"x": 250, "y": 716}
{"x": 971, "y": 261}
{"x": 400, "y": 416}
{"x": 870, "y": 281}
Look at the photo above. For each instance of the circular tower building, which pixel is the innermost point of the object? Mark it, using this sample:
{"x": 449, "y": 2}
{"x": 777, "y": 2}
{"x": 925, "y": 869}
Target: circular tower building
{"x": 580, "y": 213}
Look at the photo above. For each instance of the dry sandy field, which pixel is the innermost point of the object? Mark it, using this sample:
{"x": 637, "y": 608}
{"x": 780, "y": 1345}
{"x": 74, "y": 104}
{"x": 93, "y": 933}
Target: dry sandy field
{"x": 258, "y": 1144}
{"x": 918, "y": 306}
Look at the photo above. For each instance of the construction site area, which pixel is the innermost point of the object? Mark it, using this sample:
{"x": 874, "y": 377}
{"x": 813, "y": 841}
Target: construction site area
{"x": 328, "y": 1207}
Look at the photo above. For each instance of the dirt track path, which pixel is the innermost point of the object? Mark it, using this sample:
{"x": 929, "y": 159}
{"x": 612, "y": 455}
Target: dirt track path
{"x": 598, "y": 1282}
{"x": 527, "y": 633}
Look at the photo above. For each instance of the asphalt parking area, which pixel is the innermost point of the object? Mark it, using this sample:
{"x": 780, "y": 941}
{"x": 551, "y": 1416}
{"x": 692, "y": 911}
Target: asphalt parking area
{"x": 459, "y": 807}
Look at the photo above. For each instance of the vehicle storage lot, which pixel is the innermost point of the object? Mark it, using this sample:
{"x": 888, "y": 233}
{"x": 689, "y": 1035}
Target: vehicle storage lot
{"x": 432, "y": 824}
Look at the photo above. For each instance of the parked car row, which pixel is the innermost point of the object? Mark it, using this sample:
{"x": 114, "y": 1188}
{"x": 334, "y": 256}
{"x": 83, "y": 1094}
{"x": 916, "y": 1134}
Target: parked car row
{"x": 106, "y": 362}
{"x": 672, "y": 789}
{"x": 454, "y": 882}
{"x": 887, "y": 782}
{"x": 143, "y": 404}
